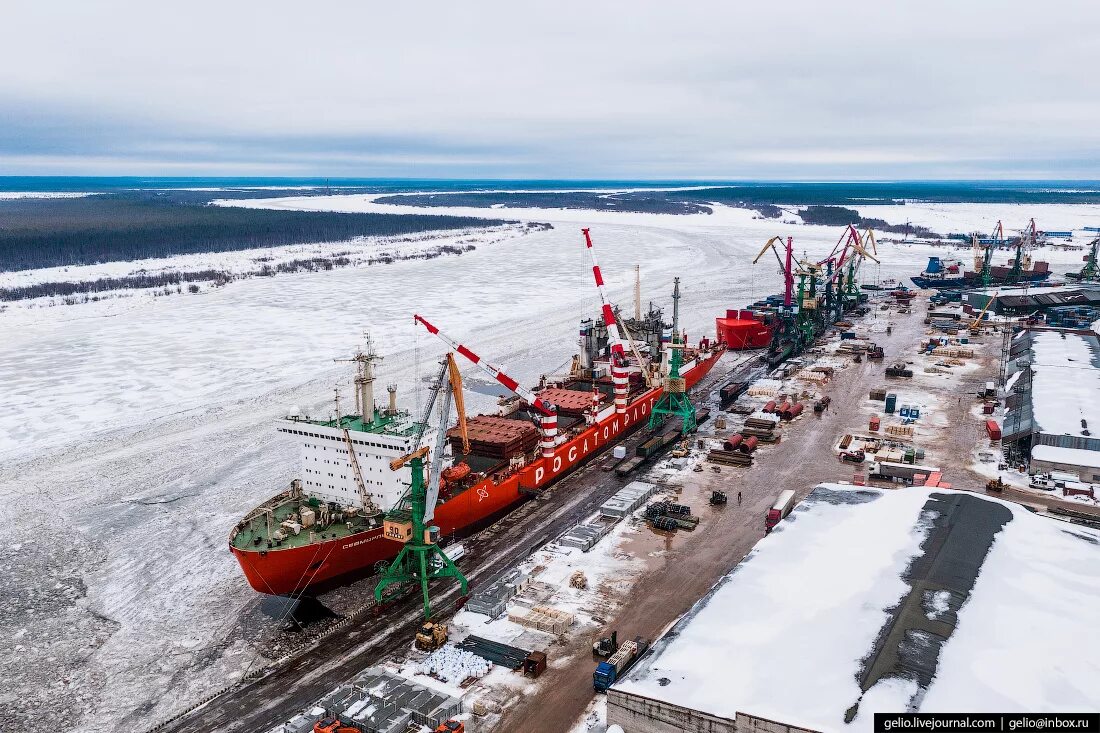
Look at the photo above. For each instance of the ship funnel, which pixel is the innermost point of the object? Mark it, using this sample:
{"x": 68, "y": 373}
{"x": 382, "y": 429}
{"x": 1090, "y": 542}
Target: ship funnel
{"x": 392, "y": 389}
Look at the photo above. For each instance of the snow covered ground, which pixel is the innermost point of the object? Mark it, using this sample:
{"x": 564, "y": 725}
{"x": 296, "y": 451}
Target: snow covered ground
{"x": 11, "y": 195}
{"x": 358, "y": 251}
{"x": 139, "y": 430}
{"x": 947, "y": 218}
{"x": 804, "y": 609}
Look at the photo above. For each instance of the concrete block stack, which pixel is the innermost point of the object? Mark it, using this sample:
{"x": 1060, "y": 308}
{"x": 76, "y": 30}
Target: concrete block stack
{"x": 627, "y": 499}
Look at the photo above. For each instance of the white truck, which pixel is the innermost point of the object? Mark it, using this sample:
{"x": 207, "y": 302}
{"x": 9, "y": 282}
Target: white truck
{"x": 898, "y": 472}
{"x": 781, "y": 508}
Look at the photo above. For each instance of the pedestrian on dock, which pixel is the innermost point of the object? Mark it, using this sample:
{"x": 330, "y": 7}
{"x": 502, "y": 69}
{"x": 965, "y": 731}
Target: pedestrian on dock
{"x": 738, "y": 497}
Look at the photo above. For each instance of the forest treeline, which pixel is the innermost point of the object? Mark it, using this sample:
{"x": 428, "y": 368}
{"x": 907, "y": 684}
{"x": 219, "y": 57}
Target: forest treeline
{"x": 85, "y": 231}
{"x": 842, "y": 217}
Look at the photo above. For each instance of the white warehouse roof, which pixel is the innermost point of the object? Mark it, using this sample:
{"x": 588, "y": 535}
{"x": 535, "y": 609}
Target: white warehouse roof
{"x": 997, "y": 614}
{"x": 1065, "y": 382}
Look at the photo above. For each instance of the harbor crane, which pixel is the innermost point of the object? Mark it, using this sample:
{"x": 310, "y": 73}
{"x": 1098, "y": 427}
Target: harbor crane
{"x": 784, "y": 267}
{"x": 620, "y": 378}
{"x": 421, "y": 560}
{"x": 1090, "y": 272}
{"x": 547, "y": 412}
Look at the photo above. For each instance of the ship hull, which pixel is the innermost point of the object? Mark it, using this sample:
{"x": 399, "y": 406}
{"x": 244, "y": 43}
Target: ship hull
{"x": 311, "y": 568}
{"x": 970, "y": 282}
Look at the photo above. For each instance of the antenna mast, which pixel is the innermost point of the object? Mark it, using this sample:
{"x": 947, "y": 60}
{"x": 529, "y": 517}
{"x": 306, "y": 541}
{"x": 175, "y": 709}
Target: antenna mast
{"x": 364, "y": 380}
{"x": 676, "y": 310}
{"x": 637, "y": 292}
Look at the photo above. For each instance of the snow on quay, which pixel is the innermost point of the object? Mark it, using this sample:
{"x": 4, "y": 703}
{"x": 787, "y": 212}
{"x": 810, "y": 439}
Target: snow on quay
{"x": 805, "y": 615}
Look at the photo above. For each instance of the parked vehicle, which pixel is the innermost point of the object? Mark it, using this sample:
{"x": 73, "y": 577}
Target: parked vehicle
{"x": 333, "y": 725}
{"x": 898, "y": 472}
{"x": 607, "y": 672}
{"x": 451, "y": 726}
{"x": 993, "y": 429}
{"x": 780, "y": 509}
{"x": 853, "y": 456}
{"x": 430, "y": 636}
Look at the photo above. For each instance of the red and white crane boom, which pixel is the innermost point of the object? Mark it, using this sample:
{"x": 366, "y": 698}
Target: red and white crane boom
{"x": 548, "y": 413}
{"x": 620, "y": 379}
{"x": 615, "y": 340}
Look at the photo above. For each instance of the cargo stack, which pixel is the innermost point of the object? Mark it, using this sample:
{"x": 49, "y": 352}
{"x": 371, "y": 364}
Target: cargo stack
{"x": 543, "y": 618}
{"x": 493, "y": 600}
{"x": 496, "y": 437}
{"x": 627, "y": 499}
{"x": 585, "y": 536}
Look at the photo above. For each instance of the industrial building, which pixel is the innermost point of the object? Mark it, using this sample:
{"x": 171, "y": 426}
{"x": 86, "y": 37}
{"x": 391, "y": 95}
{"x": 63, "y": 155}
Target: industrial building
{"x": 378, "y": 701}
{"x": 1052, "y": 415}
{"x": 1019, "y": 301}
{"x": 877, "y": 600}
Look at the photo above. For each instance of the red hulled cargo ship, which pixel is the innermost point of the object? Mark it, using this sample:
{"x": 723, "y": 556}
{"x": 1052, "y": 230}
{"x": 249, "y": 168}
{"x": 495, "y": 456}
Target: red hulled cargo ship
{"x": 327, "y": 527}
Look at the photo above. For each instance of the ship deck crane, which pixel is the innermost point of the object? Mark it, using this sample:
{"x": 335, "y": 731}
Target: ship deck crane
{"x": 620, "y": 379}
{"x": 421, "y": 560}
{"x": 548, "y": 413}
{"x": 370, "y": 509}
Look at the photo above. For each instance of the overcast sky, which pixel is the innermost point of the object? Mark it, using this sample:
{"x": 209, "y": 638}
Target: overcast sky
{"x": 724, "y": 90}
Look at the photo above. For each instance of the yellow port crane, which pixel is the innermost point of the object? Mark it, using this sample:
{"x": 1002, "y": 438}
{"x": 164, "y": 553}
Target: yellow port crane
{"x": 976, "y": 324}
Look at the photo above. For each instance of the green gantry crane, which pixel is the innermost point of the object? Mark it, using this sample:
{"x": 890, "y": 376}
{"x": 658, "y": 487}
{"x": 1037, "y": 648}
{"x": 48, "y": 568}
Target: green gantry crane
{"x": 674, "y": 400}
{"x": 421, "y": 560}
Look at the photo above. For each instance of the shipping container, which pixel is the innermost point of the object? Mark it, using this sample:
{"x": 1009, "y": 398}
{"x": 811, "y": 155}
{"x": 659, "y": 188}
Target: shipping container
{"x": 891, "y": 403}
{"x": 873, "y": 426}
{"x": 993, "y": 429}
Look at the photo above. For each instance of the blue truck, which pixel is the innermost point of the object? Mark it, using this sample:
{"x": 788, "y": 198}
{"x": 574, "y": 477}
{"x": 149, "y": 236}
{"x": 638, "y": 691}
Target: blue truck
{"x": 607, "y": 672}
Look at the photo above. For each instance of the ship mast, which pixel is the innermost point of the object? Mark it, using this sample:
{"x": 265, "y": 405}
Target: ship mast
{"x": 637, "y": 292}
{"x": 364, "y": 381}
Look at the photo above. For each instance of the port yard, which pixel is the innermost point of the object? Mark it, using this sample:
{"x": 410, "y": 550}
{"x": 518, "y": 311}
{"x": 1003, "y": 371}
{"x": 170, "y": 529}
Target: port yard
{"x": 639, "y": 581}
{"x": 322, "y": 664}
{"x": 145, "y": 602}
{"x": 647, "y": 590}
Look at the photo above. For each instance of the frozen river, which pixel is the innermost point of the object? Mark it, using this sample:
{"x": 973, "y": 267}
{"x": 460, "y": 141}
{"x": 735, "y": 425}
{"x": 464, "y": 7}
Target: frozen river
{"x": 137, "y": 431}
